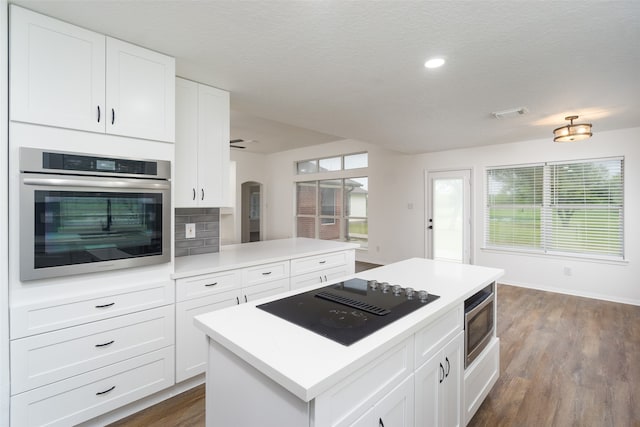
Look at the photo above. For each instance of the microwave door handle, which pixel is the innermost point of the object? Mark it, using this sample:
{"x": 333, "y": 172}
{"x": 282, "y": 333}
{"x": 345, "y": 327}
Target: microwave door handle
{"x": 103, "y": 182}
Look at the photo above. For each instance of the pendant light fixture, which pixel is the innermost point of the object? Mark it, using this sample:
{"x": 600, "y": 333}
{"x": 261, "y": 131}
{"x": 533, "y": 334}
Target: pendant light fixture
{"x": 571, "y": 132}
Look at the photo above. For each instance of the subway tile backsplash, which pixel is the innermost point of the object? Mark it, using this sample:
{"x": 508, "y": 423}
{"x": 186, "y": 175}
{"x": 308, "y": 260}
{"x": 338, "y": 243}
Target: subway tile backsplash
{"x": 207, "y": 240}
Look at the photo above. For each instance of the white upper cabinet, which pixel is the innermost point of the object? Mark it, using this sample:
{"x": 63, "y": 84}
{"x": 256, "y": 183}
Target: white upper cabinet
{"x": 140, "y": 92}
{"x": 202, "y": 145}
{"x": 57, "y": 73}
{"x": 63, "y": 75}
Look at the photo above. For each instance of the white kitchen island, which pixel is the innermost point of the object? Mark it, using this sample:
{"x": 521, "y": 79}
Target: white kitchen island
{"x": 263, "y": 370}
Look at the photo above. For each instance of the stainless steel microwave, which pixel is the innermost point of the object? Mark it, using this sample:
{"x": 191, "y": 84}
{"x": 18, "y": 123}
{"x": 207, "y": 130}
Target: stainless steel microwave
{"x": 82, "y": 213}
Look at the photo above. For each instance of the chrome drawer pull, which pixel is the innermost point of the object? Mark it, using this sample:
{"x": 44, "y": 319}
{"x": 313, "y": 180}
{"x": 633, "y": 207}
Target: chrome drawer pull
{"x": 323, "y": 261}
{"x": 105, "y": 305}
{"x": 212, "y": 284}
{"x": 105, "y": 392}
{"x": 105, "y": 344}
{"x": 266, "y": 273}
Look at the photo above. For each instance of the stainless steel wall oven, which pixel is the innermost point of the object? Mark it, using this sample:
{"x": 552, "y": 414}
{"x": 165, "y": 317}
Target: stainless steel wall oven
{"x": 84, "y": 213}
{"x": 479, "y": 312}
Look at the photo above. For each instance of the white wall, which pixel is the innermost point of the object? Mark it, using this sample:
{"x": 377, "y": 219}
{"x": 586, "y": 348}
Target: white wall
{"x": 397, "y": 207}
{"x": 606, "y": 280}
{"x": 4, "y": 220}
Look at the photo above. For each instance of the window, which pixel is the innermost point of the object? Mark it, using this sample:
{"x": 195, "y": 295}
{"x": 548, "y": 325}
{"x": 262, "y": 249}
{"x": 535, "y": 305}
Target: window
{"x": 335, "y": 207}
{"x": 570, "y": 208}
{"x": 333, "y": 164}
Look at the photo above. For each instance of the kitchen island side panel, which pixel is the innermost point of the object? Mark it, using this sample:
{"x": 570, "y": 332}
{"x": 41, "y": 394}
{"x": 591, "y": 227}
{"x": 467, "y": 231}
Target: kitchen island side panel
{"x": 240, "y": 395}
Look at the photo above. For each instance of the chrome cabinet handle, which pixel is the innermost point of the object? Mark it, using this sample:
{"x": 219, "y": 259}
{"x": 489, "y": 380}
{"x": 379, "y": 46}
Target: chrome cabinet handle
{"x": 380, "y": 423}
{"x": 105, "y": 344}
{"x": 113, "y": 116}
{"x": 194, "y": 193}
{"x": 211, "y": 284}
{"x": 106, "y": 305}
{"x": 237, "y": 301}
{"x": 98, "y": 114}
{"x": 323, "y": 261}
{"x": 202, "y": 196}
{"x": 245, "y": 299}
{"x": 448, "y": 367}
{"x": 441, "y": 373}
{"x": 266, "y": 273}
{"x": 105, "y": 392}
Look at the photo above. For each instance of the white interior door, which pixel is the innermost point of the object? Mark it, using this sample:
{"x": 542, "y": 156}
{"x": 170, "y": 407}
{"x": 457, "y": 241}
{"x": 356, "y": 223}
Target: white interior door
{"x": 448, "y": 221}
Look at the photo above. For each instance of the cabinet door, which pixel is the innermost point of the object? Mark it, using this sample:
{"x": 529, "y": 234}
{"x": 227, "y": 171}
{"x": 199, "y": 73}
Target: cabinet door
{"x": 57, "y": 73}
{"x": 140, "y": 92}
{"x": 439, "y": 386}
{"x": 396, "y": 408}
{"x": 452, "y": 384}
{"x": 428, "y": 379}
{"x": 213, "y": 147}
{"x": 186, "y": 148}
{"x": 191, "y": 343}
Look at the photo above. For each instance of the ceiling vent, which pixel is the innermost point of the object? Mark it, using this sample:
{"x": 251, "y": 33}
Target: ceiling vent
{"x": 514, "y": 112}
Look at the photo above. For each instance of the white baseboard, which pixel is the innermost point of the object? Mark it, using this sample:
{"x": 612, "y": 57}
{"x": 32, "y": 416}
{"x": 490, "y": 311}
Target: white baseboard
{"x": 565, "y": 291}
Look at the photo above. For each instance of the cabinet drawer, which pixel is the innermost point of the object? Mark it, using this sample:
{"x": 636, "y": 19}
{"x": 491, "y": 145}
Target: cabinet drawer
{"x": 433, "y": 337}
{"x": 345, "y": 403}
{"x": 207, "y": 284}
{"x": 317, "y": 277}
{"x": 266, "y": 273}
{"x": 88, "y": 395}
{"x": 316, "y": 263}
{"x": 50, "y": 357}
{"x": 51, "y": 315}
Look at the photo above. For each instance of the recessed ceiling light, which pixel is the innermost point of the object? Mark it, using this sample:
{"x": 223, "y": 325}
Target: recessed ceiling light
{"x": 434, "y": 63}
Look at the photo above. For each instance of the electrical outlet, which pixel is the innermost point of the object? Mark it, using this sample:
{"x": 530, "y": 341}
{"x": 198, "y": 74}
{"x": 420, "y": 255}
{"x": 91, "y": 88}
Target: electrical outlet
{"x": 190, "y": 231}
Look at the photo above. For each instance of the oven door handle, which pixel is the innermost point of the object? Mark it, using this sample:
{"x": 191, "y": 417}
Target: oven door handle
{"x": 488, "y": 300}
{"x": 101, "y": 182}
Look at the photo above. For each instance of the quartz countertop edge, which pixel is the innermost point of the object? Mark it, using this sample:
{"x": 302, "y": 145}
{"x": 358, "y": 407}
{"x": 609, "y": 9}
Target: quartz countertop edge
{"x": 307, "y": 364}
{"x": 255, "y": 253}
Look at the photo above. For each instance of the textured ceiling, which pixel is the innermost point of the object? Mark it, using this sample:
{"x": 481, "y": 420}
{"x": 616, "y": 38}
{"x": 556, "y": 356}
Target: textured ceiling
{"x": 306, "y": 72}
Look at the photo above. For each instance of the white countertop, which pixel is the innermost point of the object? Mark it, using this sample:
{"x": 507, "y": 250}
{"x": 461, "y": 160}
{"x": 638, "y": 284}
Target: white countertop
{"x": 308, "y": 364}
{"x": 249, "y": 254}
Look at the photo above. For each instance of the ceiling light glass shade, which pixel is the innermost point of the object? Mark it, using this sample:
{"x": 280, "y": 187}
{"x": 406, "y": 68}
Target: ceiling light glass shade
{"x": 434, "y": 63}
{"x": 571, "y": 132}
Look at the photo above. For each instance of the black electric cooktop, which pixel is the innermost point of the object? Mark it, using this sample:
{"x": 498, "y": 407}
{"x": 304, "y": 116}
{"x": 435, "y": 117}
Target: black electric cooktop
{"x": 348, "y": 311}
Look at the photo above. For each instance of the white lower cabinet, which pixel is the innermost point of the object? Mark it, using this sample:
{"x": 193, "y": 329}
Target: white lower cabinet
{"x": 209, "y": 292}
{"x": 363, "y": 394}
{"x": 480, "y": 377}
{"x": 394, "y": 410}
{"x": 80, "y": 356}
{"x": 191, "y": 343}
{"x": 54, "y": 356}
{"x": 82, "y": 397}
{"x": 438, "y": 386}
{"x": 319, "y": 269}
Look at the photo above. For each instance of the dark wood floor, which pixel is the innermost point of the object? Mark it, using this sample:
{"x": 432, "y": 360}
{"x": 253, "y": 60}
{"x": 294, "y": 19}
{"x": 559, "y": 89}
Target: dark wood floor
{"x": 565, "y": 361}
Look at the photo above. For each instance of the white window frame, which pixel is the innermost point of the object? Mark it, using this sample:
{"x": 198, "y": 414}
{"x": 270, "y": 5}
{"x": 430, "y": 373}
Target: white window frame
{"x": 546, "y": 214}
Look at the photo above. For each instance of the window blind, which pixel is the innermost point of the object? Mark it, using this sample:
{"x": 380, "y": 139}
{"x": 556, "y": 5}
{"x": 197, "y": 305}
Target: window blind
{"x": 557, "y": 208}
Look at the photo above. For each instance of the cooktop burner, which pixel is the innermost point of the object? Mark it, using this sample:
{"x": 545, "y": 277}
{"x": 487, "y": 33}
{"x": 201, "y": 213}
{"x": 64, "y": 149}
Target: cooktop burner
{"x": 348, "y": 311}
